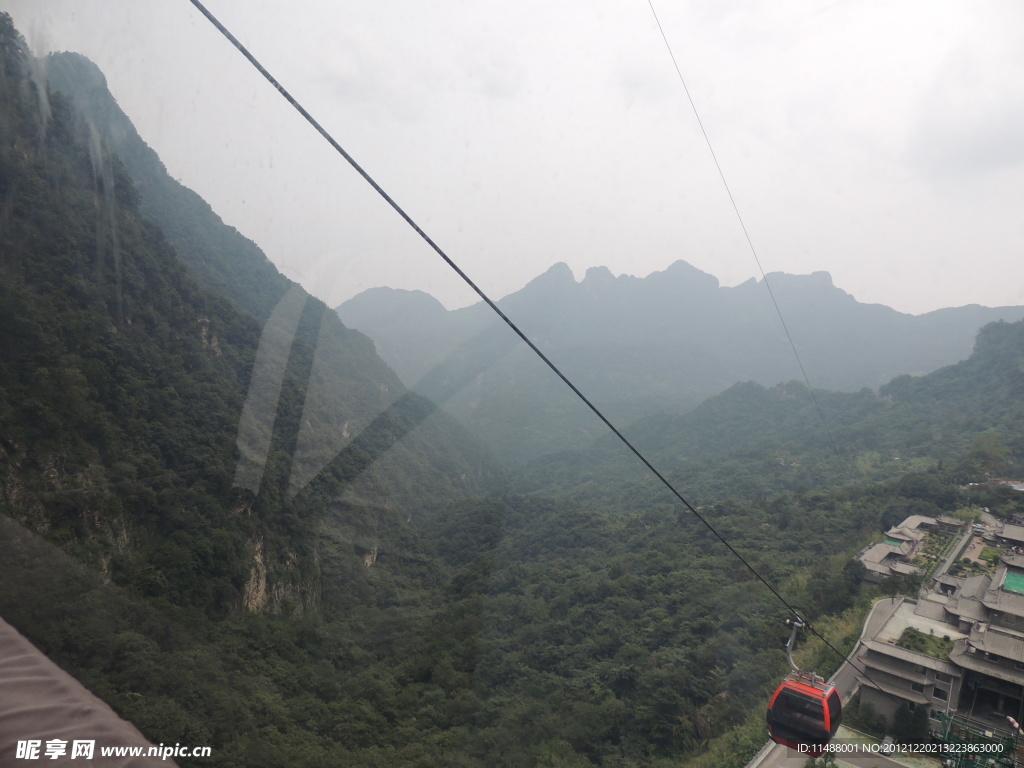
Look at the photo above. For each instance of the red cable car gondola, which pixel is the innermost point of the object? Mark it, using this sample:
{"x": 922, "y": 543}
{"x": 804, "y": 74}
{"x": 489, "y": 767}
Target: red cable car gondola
{"x": 805, "y": 712}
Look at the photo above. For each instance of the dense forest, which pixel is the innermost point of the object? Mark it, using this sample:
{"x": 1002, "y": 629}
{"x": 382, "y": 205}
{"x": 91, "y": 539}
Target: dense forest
{"x": 372, "y": 590}
{"x": 753, "y": 441}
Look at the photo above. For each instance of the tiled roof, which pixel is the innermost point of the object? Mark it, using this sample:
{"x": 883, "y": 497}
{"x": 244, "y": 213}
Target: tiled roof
{"x": 904, "y": 568}
{"x": 902, "y": 532}
{"x": 976, "y": 586}
{"x": 878, "y": 553}
{"x": 902, "y": 693}
{"x": 993, "y": 640}
{"x": 1012, "y": 532}
{"x": 1017, "y": 561}
{"x": 971, "y": 661}
{"x": 912, "y": 657}
{"x": 1007, "y": 602}
{"x": 966, "y": 602}
{"x": 968, "y": 608}
{"x": 875, "y": 662}
{"x": 915, "y": 520}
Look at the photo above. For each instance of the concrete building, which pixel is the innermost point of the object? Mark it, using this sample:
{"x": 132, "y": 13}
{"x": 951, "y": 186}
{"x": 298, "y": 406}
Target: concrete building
{"x": 1011, "y": 535}
{"x": 903, "y": 542}
{"x": 957, "y": 650}
{"x": 885, "y": 559}
{"x": 948, "y": 523}
{"x": 897, "y": 674}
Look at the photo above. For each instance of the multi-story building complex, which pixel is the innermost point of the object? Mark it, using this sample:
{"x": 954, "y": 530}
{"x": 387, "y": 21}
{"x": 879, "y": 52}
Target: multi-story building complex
{"x": 902, "y": 543}
{"x": 893, "y": 555}
{"x": 958, "y": 649}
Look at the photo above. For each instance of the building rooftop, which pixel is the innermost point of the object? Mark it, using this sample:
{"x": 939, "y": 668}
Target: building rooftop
{"x": 976, "y": 586}
{"x": 903, "y": 693}
{"x": 973, "y": 661}
{"x": 1012, "y": 532}
{"x": 932, "y": 606}
{"x": 904, "y": 568}
{"x": 914, "y": 521}
{"x": 913, "y": 657}
{"x": 966, "y": 599}
{"x": 905, "y": 533}
{"x": 876, "y": 661}
{"x": 1002, "y": 596}
{"x": 967, "y": 608}
{"x": 886, "y": 558}
{"x": 1013, "y": 560}
{"x": 878, "y": 553}
{"x": 904, "y": 617}
{"x": 997, "y": 640}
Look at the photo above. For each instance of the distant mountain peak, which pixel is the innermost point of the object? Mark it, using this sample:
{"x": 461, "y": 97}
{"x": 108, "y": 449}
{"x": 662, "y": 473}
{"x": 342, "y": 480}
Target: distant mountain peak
{"x": 598, "y": 273}
{"x": 560, "y": 272}
{"x": 556, "y": 281}
{"x": 639, "y": 345}
{"x": 410, "y": 295}
{"x": 91, "y": 76}
{"x": 680, "y": 273}
{"x": 820, "y": 278}
{"x": 596, "y": 276}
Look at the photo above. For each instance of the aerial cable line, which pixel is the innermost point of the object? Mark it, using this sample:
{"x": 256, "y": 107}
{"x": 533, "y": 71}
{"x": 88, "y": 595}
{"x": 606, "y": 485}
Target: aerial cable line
{"x": 767, "y": 283}
{"x": 437, "y": 249}
{"x": 743, "y": 226}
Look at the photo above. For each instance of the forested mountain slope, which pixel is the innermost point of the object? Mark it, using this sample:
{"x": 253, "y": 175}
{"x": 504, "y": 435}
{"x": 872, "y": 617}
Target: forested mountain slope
{"x": 346, "y": 387}
{"x": 165, "y": 454}
{"x": 752, "y": 440}
{"x": 223, "y": 260}
{"x": 158, "y": 432}
{"x": 638, "y": 346}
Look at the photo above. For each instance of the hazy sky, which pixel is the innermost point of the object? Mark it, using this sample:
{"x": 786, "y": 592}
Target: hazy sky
{"x": 882, "y": 141}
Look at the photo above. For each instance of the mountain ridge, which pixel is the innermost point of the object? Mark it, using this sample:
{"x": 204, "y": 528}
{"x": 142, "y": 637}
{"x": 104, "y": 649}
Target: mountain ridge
{"x": 638, "y": 346}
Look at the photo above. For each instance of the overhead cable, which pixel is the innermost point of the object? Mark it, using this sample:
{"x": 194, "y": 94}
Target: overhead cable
{"x": 743, "y": 226}
{"x": 487, "y": 300}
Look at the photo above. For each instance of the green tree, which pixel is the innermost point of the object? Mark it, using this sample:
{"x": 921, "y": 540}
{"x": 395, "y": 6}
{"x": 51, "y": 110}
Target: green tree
{"x": 989, "y": 454}
{"x": 910, "y": 726}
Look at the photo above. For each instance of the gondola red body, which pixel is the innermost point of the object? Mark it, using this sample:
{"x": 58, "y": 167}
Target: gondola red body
{"x": 804, "y": 714}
